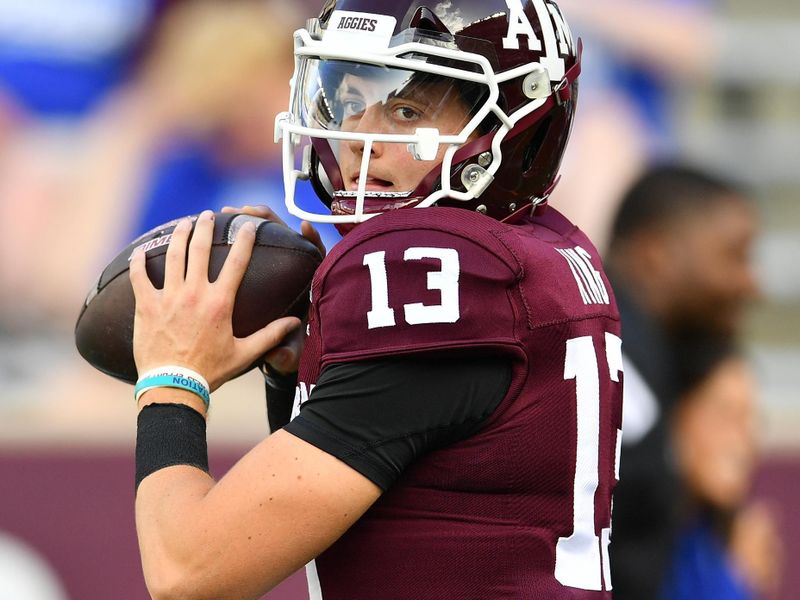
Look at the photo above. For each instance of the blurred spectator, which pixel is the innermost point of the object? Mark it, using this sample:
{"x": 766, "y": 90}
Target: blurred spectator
{"x": 196, "y": 129}
{"x": 10, "y": 119}
{"x": 728, "y": 550}
{"x": 679, "y": 261}
{"x": 638, "y": 53}
{"x": 60, "y": 58}
{"x": 193, "y": 130}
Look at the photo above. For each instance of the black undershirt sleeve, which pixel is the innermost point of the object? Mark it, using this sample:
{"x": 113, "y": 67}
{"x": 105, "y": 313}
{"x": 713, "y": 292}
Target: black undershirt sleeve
{"x": 378, "y": 416}
{"x": 280, "y": 391}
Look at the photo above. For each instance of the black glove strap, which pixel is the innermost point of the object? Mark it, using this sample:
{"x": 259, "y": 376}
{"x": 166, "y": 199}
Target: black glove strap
{"x": 280, "y": 390}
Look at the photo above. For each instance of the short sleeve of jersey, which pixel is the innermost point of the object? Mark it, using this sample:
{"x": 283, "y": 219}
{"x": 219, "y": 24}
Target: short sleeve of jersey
{"x": 415, "y": 281}
{"x": 379, "y": 416}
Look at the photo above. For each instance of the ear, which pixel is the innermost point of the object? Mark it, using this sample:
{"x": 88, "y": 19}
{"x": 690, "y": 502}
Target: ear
{"x": 650, "y": 251}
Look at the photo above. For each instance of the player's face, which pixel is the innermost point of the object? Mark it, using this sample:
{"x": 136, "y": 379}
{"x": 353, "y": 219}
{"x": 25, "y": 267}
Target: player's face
{"x": 392, "y": 168}
{"x": 713, "y": 275}
{"x": 716, "y": 434}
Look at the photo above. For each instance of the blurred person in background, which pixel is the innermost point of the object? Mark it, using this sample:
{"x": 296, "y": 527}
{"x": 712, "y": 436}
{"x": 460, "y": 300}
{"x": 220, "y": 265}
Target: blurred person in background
{"x": 637, "y": 55}
{"x": 679, "y": 261}
{"x": 194, "y": 130}
{"x": 729, "y": 548}
{"x": 60, "y": 58}
{"x": 191, "y": 128}
{"x": 59, "y": 61}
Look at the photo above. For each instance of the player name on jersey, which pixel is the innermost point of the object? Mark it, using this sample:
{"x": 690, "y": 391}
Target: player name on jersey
{"x": 589, "y": 281}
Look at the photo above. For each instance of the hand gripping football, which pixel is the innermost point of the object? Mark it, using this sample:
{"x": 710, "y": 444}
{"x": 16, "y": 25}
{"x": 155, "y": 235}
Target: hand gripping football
{"x": 276, "y": 284}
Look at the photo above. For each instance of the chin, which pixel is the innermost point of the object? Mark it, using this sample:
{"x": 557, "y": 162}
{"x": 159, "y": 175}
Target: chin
{"x": 720, "y": 324}
{"x": 345, "y": 228}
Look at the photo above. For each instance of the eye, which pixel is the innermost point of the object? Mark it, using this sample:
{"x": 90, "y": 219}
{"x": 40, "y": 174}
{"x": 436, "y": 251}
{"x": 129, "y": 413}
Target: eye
{"x": 406, "y": 114}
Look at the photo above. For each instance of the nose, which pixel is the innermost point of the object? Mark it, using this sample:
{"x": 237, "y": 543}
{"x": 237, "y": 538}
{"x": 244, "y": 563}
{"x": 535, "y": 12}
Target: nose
{"x": 370, "y": 121}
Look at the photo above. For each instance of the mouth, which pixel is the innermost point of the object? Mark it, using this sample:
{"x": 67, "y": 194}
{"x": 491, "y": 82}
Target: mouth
{"x": 379, "y": 195}
{"x": 344, "y": 203}
{"x": 373, "y": 184}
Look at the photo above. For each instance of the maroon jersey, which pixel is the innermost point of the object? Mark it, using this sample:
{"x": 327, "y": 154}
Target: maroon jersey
{"x": 521, "y": 509}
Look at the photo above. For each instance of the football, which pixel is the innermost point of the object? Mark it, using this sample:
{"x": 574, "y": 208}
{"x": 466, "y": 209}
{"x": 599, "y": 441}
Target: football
{"x": 276, "y": 284}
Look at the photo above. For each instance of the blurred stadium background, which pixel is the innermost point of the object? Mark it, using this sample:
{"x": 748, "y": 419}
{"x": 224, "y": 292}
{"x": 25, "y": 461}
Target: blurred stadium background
{"x": 67, "y": 432}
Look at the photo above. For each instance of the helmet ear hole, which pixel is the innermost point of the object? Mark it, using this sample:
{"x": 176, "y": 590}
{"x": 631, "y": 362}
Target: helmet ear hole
{"x": 320, "y": 181}
{"x": 532, "y": 150}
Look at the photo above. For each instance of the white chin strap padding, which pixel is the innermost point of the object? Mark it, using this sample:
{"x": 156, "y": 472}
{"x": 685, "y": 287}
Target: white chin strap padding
{"x": 428, "y": 145}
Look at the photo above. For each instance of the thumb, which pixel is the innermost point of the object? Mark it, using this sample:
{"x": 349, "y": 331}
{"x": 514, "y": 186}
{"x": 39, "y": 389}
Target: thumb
{"x": 282, "y": 360}
{"x": 262, "y": 341}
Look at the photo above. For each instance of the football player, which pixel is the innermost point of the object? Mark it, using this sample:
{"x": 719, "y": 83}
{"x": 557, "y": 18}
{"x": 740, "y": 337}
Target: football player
{"x": 458, "y": 405}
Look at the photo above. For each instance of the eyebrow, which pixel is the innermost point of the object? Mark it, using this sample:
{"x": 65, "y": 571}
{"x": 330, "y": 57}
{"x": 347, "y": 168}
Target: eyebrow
{"x": 416, "y": 92}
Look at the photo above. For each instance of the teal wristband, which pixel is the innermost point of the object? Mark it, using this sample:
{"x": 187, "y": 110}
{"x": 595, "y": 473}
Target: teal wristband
{"x": 173, "y": 381}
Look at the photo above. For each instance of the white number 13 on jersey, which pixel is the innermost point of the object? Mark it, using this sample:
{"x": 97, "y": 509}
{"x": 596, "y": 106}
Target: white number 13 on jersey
{"x": 445, "y": 280}
{"x": 582, "y": 556}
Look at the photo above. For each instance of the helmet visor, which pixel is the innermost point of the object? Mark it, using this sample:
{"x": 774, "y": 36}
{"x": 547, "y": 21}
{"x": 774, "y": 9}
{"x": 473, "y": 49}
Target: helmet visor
{"x": 336, "y": 95}
{"x": 379, "y": 133}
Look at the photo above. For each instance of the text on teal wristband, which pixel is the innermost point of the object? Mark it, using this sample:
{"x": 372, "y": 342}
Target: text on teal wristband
{"x": 173, "y": 381}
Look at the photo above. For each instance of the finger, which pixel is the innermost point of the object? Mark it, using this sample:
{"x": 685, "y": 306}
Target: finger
{"x": 175, "y": 261}
{"x": 238, "y": 258}
{"x": 261, "y": 211}
{"x": 238, "y": 210}
{"x": 285, "y": 357}
{"x": 200, "y": 248}
{"x": 265, "y": 212}
{"x": 264, "y": 340}
{"x": 312, "y": 235}
{"x": 137, "y": 271}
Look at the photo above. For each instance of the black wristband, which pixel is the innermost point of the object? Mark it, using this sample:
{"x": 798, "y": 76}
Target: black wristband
{"x": 168, "y": 435}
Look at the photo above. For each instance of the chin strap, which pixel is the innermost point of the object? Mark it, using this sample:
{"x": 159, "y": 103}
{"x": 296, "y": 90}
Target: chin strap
{"x": 537, "y": 207}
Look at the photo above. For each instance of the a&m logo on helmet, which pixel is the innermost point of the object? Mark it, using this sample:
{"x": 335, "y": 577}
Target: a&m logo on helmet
{"x": 556, "y": 40}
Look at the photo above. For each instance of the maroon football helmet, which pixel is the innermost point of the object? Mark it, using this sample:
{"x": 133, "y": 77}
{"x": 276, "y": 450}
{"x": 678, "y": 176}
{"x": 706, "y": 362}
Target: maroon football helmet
{"x": 408, "y": 103}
